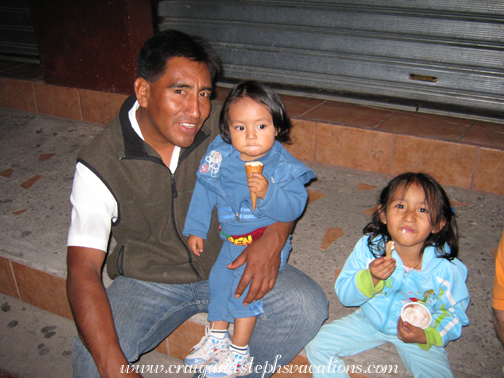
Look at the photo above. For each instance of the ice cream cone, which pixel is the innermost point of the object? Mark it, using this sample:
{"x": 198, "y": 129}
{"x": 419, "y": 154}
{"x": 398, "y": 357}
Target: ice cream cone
{"x": 251, "y": 167}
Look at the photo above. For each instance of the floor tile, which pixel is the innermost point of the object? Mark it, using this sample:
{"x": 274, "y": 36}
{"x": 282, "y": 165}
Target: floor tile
{"x": 221, "y": 93}
{"x": 42, "y": 289}
{"x": 297, "y": 368}
{"x": 448, "y": 163}
{"x": 426, "y": 127}
{"x": 314, "y": 195}
{"x": 58, "y": 101}
{"x": 444, "y": 118}
{"x": 100, "y": 107}
{"x": 367, "y": 150}
{"x": 30, "y": 182}
{"x": 348, "y": 114}
{"x": 17, "y": 94}
{"x": 303, "y": 140}
{"x": 492, "y": 126}
{"x": 363, "y": 186}
{"x": 330, "y": 236}
{"x": 7, "y": 173}
{"x": 297, "y": 106}
{"x": 484, "y": 137}
{"x": 7, "y": 281}
{"x": 489, "y": 175}
{"x": 184, "y": 338}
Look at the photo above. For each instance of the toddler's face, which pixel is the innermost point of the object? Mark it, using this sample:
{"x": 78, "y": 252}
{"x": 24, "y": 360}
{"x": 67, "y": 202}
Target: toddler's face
{"x": 408, "y": 219}
{"x": 251, "y": 128}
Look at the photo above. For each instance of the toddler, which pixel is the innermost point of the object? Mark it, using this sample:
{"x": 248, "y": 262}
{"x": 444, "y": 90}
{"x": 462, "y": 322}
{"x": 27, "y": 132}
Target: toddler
{"x": 253, "y": 122}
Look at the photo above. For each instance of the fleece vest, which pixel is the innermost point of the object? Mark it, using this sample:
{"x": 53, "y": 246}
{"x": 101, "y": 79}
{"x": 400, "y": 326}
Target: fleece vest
{"x": 152, "y": 203}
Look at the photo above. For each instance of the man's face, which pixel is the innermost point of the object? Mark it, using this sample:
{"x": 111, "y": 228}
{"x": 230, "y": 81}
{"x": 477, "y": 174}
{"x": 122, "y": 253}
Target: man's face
{"x": 177, "y": 104}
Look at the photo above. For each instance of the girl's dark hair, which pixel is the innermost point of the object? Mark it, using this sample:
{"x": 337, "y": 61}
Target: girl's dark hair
{"x": 439, "y": 208}
{"x": 262, "y": 94}
{"x": 151, "y": 61}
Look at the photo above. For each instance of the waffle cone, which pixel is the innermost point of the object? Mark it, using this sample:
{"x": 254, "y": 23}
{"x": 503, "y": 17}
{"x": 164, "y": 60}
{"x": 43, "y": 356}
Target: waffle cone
{"x": 252, "y": 167}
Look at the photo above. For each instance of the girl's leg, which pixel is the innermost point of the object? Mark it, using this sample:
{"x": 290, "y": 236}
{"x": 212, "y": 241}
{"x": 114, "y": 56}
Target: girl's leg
{"x": 344, "y": 337}
{"x": 243, "y": 328}
{"x": 219, "y": 325}
{"x": 424, "y": 363}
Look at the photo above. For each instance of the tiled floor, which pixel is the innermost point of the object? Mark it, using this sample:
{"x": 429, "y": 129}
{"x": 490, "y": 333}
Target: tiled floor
{"x": 456, "y": 150}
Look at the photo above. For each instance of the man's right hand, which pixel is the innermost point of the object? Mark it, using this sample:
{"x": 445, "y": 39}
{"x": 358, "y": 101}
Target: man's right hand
{"x": 91, "y": 310}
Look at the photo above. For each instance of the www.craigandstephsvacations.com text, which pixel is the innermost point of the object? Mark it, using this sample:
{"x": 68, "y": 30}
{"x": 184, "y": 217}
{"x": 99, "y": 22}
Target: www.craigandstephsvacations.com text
{"x": 268, "y": 368}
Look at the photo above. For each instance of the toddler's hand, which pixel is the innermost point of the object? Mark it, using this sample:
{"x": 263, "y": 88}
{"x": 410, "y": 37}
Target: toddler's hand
{"x": 408, "y": 333}
{"x": 381, "y": 269}
{"x": 258, "y": 184}
{"x": 196, "y": 244}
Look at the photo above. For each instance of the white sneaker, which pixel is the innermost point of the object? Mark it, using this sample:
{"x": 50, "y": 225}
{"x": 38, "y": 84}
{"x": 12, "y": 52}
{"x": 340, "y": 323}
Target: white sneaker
{"x": 229, "y": 363}
{"x": 206, "y": 349}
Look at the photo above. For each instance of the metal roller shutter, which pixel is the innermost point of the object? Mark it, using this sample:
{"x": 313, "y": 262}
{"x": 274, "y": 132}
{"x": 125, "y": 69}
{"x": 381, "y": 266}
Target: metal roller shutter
{"x": 447, "y": 52}
{"x": 17, "y": 37}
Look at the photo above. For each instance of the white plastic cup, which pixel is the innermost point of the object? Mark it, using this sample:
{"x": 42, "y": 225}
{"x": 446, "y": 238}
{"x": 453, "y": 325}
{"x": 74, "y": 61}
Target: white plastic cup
{"x": 417, "y": 314}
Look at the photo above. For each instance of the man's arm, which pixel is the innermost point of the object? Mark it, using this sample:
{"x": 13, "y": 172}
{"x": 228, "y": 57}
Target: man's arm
{"x": 263, "y": 261}
{"x": 91, "y": 310}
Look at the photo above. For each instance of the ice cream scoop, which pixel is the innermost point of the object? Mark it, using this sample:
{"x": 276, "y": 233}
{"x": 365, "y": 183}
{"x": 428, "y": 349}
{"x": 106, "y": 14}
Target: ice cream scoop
{"x": 251, "y": 167}
{"x": 416, "y": 314}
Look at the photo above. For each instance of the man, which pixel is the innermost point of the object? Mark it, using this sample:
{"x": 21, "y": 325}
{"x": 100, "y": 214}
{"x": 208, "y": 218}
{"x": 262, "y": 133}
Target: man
{"x": 498, "y": 291}
{"x": 136, "y": 180}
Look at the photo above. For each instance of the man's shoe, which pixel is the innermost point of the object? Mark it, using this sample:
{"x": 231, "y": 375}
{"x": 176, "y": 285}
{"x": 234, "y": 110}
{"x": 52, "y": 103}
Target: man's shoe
{"x": 206, "y": 349}
{"x": 229, "y": 363}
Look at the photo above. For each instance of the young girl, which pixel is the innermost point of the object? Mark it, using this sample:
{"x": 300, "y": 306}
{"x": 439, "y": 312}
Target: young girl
{"x": 253, "y": 122}
{"x": 415, "y": 214}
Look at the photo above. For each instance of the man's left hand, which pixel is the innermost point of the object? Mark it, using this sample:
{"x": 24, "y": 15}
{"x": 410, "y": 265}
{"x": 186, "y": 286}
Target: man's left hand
{"x": 263, "y": 262}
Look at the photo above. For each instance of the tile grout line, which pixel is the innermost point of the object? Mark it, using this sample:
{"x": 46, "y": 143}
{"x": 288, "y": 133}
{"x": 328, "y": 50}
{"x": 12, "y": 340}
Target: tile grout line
{"x": 15, "y": 280}
{"x": 392, "y": 154}
{"x": 35, "y": 98}
{"x": 474, "y": 169}
{"x": 79, "y": 104}
{"x": 465, "y": 132}
{"x": 386, "y": 118}
{"x": 309, "y": 110}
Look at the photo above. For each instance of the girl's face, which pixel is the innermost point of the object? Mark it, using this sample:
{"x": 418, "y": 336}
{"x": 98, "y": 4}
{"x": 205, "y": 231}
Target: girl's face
{"x": 408, "y": 219}
{"x": 251, "y": 128}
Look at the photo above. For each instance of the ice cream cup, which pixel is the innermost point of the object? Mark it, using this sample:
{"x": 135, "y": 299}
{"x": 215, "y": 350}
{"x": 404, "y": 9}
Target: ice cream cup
{"x": 417, "y": 314}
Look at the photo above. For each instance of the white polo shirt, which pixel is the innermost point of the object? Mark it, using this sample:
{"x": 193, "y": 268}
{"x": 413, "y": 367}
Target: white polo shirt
{"x": 94, "y": 207}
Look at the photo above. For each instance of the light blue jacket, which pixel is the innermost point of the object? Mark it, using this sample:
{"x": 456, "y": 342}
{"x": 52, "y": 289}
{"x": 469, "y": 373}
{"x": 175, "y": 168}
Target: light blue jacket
{"x": 222, "y": 182}
{"x": 440, "y": 285}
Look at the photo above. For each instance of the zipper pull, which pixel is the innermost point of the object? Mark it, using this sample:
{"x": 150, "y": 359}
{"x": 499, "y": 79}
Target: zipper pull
{"x": 174, "y": 188}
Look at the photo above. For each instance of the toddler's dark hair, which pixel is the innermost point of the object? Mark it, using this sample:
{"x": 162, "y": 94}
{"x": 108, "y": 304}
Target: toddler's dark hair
{"x": 439, "y": 208}
{"x": 262, "y": 94}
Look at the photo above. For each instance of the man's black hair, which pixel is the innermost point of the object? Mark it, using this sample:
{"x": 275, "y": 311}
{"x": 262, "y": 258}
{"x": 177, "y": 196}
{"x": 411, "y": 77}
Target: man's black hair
{"x": 162, "y": 46}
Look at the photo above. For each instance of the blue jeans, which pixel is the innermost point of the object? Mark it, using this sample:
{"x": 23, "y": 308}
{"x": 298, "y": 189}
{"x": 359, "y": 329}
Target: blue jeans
{"x": 223, "y": 284}
{"x": 354, "y": 334}
{"x": 145, "y": 313}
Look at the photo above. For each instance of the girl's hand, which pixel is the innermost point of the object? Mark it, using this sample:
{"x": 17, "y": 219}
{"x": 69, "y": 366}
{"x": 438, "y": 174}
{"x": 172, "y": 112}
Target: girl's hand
{"x": 381, "y": 269}
{"x": 258, "y": 184}
{"x": 196, "y": 244}
{"x": 408, "y": 333}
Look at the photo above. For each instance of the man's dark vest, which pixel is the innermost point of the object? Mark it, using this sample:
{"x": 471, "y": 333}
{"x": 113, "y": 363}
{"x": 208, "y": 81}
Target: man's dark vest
{"x": 152, "y": 202}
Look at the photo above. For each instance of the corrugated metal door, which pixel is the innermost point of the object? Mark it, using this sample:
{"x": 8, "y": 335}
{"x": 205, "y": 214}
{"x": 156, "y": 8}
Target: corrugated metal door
{"x": 17, "y": 37}
{"x": 433, "y": 51}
